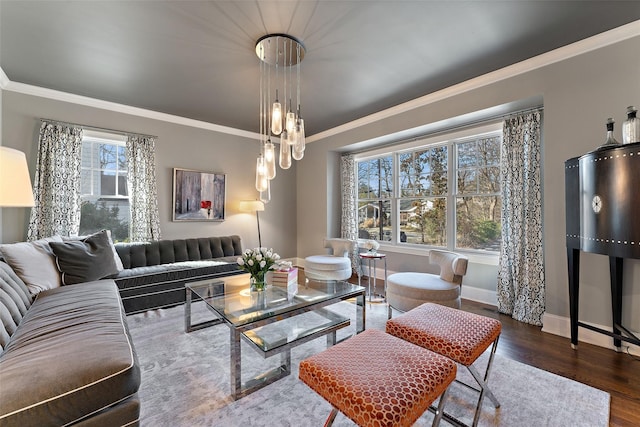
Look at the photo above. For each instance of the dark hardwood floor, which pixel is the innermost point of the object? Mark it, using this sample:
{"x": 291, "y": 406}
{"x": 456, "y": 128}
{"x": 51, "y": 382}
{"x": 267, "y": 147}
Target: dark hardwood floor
{"x": 616, "y": 373}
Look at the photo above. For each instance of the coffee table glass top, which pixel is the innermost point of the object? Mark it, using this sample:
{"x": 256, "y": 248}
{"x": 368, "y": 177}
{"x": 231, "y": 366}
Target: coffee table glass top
{"x": 245, "y": 307}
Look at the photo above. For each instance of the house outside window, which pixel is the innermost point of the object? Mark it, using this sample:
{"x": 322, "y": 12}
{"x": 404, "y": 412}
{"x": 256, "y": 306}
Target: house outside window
{"x": 435, "y": 192}
{"x": 104, "y": 194}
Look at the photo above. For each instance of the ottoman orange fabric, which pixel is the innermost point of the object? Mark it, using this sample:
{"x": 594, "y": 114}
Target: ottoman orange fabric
{"x": 378, "y": 380}
{"x": 456, "y": 334}
{"x": 459, "y": 335}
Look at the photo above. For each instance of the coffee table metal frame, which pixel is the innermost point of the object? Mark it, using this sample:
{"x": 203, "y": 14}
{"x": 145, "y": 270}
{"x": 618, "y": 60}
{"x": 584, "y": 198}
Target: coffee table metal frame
{"x": 297, "y": 305}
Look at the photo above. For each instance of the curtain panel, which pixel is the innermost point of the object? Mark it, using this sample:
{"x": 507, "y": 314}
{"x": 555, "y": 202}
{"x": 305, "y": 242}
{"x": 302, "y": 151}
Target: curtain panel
{"x": 521, "y": 280}
{"x": 143, "y": 192}
{"x": 349, "y": 221}
{"x": 56, "y": 188}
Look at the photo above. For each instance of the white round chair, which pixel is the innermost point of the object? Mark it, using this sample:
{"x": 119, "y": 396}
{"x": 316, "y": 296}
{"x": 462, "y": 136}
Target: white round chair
{"x": 406, "y": 291}
{"x": 334, "y": 266}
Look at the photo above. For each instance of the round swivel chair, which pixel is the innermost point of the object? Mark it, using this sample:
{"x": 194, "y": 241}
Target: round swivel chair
{"x": 334, "y": 266}
{"x": 406, "y": 291}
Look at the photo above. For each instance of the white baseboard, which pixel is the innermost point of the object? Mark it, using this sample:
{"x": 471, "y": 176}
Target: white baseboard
{"x": 480, "y": 295}
{"x": 561, "y": 326}
{"x": 297, "y": 262}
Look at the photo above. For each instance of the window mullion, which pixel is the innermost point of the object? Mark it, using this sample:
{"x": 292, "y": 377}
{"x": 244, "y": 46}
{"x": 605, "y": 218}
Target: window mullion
{"x": 452, "y": 190}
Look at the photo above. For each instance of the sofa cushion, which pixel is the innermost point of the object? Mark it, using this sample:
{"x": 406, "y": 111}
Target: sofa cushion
{"x": 34, "y": 263}
{"x": 71, "y": 356}
{"x": 85, "y": 260}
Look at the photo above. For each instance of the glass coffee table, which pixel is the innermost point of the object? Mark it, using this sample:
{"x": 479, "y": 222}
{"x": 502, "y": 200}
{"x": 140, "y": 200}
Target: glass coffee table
{"x": 274, "y": 321}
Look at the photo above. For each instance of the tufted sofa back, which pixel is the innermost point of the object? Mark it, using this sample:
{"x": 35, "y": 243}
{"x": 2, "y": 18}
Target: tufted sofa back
{"x": 15, "y": 299}
{"x": 143, "y": 254}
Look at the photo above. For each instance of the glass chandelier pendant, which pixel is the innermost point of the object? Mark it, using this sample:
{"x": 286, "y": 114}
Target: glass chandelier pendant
{"x": 261, "y": 176}
{"x": 276, "y": 117}
{"x": 285, "y": 152}
{"x": 299, "y": 146}
{"x": 265, "y": 196}
{"x": 270, "y": 160}
{"x": 291, "y": 121}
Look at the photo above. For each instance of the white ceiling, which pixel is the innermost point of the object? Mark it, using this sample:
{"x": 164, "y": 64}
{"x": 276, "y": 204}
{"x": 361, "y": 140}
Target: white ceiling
{"x": 196, "y": 59}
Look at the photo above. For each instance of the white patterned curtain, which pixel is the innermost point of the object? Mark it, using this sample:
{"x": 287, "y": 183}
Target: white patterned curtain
{"x": 349, "y": 222}
{"x": 56, "y": 187}
{"x": 143, "y": 192}
{"x": 521, "y": 282}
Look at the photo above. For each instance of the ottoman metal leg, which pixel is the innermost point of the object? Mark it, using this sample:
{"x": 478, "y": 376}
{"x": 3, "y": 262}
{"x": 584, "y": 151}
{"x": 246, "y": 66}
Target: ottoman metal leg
{"x": 331, "y": 418}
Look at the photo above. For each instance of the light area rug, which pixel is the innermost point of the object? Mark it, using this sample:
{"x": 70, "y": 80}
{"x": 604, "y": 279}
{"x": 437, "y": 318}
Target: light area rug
{"x": 185, "y": 382}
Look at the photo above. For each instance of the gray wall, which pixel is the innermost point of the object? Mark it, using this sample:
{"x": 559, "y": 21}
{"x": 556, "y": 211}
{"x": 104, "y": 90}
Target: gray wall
{"x": 176, "y": 146}
{"x": 579, "y": 94}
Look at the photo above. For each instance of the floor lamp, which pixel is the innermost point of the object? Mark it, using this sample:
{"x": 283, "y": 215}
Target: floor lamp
{"x": 253, "y": 206}
{"x": 15, "y": 183}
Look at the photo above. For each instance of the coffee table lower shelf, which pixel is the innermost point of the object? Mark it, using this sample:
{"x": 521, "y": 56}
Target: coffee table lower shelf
{"x": 280, "y": 337}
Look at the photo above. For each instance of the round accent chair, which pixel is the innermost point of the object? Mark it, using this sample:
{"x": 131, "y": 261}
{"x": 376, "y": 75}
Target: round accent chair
{"x": 334, "y": 266}
{"x": 406, "y": 291}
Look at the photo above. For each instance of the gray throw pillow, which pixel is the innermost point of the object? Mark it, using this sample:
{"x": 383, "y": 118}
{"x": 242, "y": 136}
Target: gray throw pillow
{"x": 85, "y": 260}
{"x": 116, "y": 257}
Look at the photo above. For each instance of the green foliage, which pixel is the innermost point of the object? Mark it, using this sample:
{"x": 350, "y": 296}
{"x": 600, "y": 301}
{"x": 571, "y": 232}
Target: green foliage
{"x": 98, "y": 216}
{"x": 485, "y": 231}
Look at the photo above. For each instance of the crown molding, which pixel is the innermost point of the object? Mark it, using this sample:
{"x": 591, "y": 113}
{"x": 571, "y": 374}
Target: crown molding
{"x": 4, "y": 80}
{"x": 560, "y": 54}
{"x": 578, "y": 48}
{"x": 26, "y": 89}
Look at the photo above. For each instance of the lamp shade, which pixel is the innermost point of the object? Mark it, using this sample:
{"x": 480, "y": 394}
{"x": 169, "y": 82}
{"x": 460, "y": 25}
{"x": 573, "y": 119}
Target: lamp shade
{"x": 15, "y": 183}
{"x": 251, "y": 206}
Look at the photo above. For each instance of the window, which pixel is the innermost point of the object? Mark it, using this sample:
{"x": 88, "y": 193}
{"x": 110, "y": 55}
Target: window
{"x": 442, "y": 192}
{"x": 104, "y": 195}
{"x": 478, "y": 193}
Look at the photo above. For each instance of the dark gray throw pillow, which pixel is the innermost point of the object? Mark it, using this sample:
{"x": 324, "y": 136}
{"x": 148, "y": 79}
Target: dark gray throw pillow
{"x": 86, "y": 259}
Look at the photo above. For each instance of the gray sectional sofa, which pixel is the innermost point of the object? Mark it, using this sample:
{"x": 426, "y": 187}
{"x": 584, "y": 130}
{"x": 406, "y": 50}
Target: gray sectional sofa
{"x": 67, "y": 356}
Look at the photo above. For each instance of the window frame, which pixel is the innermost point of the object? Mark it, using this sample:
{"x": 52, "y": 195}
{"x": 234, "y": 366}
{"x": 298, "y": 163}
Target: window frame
{"x": 448, "y": 139}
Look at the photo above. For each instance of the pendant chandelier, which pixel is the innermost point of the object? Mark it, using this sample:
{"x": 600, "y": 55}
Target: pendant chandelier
{"x": 280, "y": 120}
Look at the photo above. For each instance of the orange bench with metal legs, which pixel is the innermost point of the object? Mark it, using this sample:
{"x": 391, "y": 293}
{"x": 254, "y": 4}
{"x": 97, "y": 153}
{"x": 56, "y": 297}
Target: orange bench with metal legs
{"x": 459, "y": 335}
{"x": 379, "y": 380}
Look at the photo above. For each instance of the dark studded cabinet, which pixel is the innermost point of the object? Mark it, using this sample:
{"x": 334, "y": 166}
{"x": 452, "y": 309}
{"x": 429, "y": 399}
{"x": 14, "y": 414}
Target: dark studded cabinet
{"x": 602, "y": 195}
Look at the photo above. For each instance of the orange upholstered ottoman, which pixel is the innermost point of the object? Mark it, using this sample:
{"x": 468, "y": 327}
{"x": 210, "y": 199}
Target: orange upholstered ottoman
{"x": 376, "y": 379}
{"x": 454, "y": 333}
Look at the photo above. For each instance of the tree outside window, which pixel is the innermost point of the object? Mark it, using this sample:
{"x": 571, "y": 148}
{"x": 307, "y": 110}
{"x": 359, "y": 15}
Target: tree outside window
{"x": 375, "y": 190}
{"x": 104, "y": 194}
{"x": 448, "y": 195}
{"x": 478, "y": 201}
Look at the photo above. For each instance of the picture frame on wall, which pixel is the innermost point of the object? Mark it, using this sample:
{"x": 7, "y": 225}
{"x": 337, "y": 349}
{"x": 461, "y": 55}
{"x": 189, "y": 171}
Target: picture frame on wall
{"x": 198, "y": 195}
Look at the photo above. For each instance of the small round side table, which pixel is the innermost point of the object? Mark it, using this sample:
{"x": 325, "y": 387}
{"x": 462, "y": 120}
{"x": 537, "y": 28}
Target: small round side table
{"x": 371, "y": 258}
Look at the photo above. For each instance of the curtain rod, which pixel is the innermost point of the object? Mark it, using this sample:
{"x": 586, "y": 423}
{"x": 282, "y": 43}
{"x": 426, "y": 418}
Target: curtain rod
{"x": 449, "y": 129}
{"x": 99, "y": 129}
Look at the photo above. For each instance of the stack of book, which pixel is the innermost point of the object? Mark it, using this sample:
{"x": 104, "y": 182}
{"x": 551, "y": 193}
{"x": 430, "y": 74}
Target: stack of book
{"x": 286, "y": 279}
